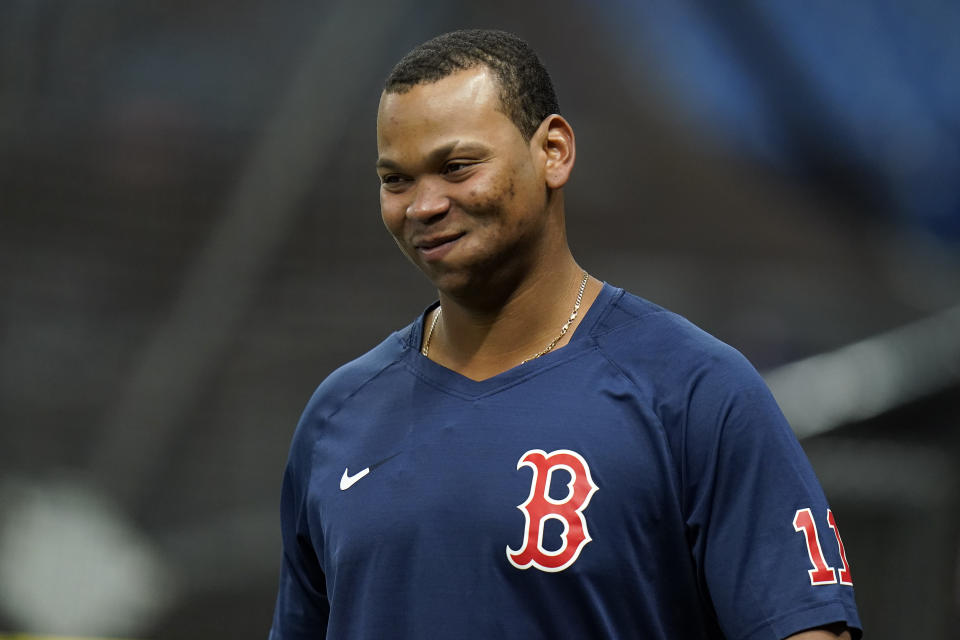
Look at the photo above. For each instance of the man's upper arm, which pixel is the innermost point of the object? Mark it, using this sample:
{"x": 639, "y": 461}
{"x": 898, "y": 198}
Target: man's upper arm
{"x": 762, "y": 524}
{"x": 302, "y": 608}
{"x": 832, "y": 632}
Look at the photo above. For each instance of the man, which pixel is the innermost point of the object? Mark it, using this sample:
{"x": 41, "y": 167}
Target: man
{"x": 540, "y": 455}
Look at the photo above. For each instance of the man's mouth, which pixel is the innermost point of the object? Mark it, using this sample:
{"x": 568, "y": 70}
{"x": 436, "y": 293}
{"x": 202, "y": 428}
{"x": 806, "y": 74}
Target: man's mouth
{"x": 436, "y": 247}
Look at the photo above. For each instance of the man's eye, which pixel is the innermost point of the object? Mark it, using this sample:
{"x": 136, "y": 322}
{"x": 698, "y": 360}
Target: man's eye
{"x": 390, "y": 178}
{"x": 453, "y": 167}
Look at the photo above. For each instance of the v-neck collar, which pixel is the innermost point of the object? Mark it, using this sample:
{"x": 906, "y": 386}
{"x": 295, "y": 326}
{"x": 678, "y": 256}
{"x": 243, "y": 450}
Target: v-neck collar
{"x": 458, "y": 384}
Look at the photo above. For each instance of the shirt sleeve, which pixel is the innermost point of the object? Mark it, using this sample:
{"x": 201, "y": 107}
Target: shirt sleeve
{"x": 764, "y": 541}
{"x": 302, "y": 608}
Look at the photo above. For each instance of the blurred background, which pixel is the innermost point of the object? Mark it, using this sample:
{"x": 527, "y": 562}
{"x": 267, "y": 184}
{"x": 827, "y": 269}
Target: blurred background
{"x": 190, "y": 242}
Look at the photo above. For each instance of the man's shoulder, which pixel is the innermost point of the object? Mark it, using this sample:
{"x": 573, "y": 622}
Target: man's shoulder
{"x": 337, "y": 389}
{"x": 635, "y": 323}
{"x": 349, "y": 378}
{"x": 640, "y": 335}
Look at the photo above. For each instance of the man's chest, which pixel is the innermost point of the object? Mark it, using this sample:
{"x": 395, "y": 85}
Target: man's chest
{"x": 547, "y": 483}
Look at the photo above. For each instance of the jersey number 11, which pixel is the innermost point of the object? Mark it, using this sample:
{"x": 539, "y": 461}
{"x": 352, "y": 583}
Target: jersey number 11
{"x": 822, "y": 573}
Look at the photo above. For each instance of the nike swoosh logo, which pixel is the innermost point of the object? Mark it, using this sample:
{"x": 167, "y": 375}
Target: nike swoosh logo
{"x": 347, "y": 480}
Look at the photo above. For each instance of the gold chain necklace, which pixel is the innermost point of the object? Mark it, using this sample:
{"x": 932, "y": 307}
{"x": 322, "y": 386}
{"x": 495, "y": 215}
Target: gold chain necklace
{"x": 563, "y": 330}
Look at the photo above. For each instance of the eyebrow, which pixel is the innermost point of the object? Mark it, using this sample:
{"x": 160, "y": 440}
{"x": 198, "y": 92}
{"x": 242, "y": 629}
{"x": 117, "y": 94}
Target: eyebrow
{"x": 437, "y": 154}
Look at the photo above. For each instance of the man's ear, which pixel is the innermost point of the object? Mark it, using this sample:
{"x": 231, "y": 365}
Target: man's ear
{"x": 555, "y": 137}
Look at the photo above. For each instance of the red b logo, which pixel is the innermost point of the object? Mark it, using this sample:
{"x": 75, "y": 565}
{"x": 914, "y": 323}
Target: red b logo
{"x": 540, "y": 507}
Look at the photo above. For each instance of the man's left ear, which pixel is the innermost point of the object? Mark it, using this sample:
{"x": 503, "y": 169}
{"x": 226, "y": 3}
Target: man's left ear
{"x": 556, "y": 137}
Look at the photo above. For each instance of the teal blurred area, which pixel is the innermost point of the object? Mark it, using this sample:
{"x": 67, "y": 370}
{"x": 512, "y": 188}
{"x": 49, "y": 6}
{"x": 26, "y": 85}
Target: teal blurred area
{"x": 190, "y": 242}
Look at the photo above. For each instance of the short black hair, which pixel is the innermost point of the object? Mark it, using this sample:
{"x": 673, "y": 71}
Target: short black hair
{"x": 526, "y": 91}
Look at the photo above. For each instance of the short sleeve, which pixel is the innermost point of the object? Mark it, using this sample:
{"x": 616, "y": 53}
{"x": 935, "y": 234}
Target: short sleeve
{"x": 747, "y": 488}
{"x": 302, "y": 608}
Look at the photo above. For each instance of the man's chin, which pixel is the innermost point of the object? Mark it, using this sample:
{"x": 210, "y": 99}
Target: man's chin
{"x": 470, "y": 289}
{"x": 450, "y": 282}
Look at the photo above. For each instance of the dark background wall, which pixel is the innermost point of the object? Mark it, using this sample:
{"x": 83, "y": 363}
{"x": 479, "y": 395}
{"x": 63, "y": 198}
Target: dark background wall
{"x": 190, "y": 242}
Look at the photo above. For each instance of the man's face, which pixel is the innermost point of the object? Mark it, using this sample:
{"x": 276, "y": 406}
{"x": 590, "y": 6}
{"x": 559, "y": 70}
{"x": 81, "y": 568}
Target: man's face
{"x": 462, "y": 191}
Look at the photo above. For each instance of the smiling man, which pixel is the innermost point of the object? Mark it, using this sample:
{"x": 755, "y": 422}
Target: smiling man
{"x": 540, "y": 454}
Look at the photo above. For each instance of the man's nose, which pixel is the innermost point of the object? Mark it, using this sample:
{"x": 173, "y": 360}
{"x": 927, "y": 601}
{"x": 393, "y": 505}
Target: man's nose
{"x": 429, "y": 200}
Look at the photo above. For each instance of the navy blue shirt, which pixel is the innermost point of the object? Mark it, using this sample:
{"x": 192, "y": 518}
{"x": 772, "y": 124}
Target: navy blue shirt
{"x": 639, "y": 482}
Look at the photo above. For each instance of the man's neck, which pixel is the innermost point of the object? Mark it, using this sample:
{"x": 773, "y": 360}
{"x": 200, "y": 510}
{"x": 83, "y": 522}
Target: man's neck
{"x": 482, "y": 341}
